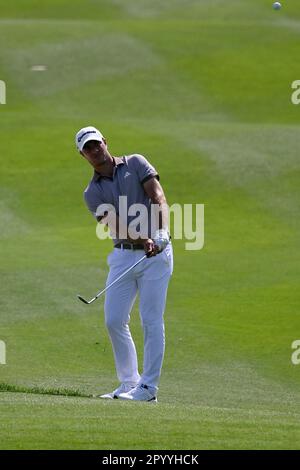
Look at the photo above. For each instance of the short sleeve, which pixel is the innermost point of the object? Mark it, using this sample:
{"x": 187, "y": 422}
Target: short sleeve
{"x": 93, "y": 203}
{"x": 143, "y": 168}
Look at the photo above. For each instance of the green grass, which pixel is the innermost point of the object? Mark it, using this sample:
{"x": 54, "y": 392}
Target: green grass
{"x": 203, "y": 89}
{"x": 84, "y": 423}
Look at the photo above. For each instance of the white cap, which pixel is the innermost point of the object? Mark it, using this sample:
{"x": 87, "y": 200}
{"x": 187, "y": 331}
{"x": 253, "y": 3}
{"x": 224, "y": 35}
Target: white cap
{"x": 85, "y": 134}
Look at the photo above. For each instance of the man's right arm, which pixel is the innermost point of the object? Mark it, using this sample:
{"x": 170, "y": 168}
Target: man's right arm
{"x": 111, "y": 219}
{"x": 117, "y": 227}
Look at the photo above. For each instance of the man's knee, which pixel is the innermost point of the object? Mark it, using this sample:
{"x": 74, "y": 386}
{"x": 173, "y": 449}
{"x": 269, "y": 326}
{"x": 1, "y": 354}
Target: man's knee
{"x": 153, "y": 323}
{"x": 113, "y": 320}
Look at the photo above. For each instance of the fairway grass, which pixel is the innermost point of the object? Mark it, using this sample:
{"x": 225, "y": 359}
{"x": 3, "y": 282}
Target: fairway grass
{"x": 202, "y": 89}
{"x": 68, "y": 423}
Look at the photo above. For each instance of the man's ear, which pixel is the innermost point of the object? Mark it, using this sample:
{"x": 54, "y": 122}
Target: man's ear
{"x": 81, "y": 153}
{"x": 104, "y": 140}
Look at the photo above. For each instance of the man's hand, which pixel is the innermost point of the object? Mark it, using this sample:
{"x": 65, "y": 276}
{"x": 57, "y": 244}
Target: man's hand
{"x": 158, "y": 244}
{"x": 150, "y": 248}
{"x": 161, "y": 240}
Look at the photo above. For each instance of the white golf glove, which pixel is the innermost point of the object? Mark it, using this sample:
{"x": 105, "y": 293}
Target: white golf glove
{"x": 161, "y": 239}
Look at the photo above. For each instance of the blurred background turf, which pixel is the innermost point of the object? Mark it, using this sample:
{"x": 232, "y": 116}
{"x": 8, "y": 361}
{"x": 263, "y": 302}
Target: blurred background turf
{"x": 202, "y": 89}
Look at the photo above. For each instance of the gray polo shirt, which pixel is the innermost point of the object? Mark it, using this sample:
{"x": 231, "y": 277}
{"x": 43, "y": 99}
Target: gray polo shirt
{"x": 129, "y": 174}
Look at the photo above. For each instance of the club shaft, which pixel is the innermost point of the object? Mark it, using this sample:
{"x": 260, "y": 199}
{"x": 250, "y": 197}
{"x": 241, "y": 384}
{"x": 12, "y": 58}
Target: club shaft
{"x": 118, "y": 279}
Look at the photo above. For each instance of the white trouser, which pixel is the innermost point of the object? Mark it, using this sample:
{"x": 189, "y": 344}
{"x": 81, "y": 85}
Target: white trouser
{"x": 150, "y": 279}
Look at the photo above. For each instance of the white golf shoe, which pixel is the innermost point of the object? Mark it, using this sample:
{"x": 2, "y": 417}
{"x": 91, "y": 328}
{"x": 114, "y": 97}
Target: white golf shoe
{"x": 123, "y": 388}
{"x": 140, "y": 393}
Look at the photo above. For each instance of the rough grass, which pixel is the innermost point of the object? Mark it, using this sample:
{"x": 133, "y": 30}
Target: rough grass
{"x": 4, "y": 387}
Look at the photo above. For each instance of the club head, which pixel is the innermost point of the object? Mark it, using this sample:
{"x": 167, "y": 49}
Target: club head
{"x": 82, "y": 299}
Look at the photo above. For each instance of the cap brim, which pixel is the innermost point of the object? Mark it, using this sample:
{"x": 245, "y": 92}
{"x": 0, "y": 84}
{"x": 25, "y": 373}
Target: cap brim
{"x": 88, "y": 138}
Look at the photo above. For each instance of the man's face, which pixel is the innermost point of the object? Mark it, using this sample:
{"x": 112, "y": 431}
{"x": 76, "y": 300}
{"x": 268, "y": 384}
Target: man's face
{"x": 95, "y": 152}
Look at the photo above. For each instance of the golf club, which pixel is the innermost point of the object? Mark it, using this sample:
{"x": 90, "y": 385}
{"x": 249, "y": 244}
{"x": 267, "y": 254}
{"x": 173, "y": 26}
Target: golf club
{"x": 88, "y": 302}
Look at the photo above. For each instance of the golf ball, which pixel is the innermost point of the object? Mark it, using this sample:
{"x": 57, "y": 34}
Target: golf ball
{"x": 276, "y": 5}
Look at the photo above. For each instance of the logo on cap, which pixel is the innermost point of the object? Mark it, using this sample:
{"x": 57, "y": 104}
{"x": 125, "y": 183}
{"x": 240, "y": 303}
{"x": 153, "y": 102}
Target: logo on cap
{"x": 83, "y": 135}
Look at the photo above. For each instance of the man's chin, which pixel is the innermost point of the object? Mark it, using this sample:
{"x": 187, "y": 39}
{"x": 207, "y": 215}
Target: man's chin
{"x": 99, "y": 161}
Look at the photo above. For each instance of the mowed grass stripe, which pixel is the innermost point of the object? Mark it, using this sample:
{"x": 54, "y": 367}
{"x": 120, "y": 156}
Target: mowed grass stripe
{"x": 211, "y": 109}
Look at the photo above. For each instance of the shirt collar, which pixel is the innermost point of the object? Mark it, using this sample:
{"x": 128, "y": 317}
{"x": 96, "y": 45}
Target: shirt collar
{"x": 116, "y": 161}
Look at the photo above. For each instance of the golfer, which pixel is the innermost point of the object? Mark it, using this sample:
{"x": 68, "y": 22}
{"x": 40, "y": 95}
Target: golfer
{"x": 136, "y": 179}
